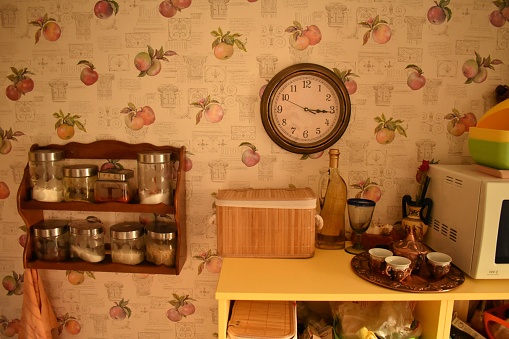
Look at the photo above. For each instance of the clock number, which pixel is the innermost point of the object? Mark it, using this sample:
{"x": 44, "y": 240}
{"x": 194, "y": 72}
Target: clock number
{"x": 293, "y": 129}
{"x": 293, "y": 88}
{"x": 319, "y": 87}
{"x": 306, "y": 84}
{"x": 332, "y": 109}
{"x": 279, "y": 109}
{"x": 283, "y": 122}
{"x": 305, "y": 134}
{"x": 285, "y": 97}
{"x": 318, "y": 131}
{"x": 327, "y": 122}
{"x": 328, "y": 97}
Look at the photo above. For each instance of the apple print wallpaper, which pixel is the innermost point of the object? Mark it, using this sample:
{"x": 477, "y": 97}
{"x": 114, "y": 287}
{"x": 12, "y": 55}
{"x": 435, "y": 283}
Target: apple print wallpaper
{"x": 191, "y": 73}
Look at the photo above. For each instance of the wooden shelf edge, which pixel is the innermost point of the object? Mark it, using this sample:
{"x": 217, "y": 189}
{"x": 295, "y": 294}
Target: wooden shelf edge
{"x": 97, "y": 207}
{"x": 105, "y": 266}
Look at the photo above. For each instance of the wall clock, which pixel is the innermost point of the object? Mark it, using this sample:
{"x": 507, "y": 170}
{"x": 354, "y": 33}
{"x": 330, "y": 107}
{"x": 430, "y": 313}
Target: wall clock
{"x": 305, "y": 108}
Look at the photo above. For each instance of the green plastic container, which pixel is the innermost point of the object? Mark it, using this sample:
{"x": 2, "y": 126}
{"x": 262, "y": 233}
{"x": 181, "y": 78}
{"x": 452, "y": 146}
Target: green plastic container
{"x": 490, "y": 153}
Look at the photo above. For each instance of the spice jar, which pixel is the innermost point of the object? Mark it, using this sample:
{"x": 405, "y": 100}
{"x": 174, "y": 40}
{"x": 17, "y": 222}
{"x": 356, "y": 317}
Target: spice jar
{"x": 127, "y": 243}
{"x": 87, "y": 240}
{"x": 154, "y": 178}
{"x": 114, "y": 185}
{"x": 79, "y": 182}
{"x": 45, "y": 168}
{"x": 161, "y": 243}
{"x": 51, "y": 240}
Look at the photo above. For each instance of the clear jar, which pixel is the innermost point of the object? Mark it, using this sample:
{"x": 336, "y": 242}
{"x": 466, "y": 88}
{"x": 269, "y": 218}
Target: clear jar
{"x": 127, "y": 243}
{"x": 79, "y": 181}
{"x": 86, "y": 240}
{"x": 154, "y": 178}
{"x": 45, "y": 168}
{"x": 161, "y": 243}
{"x": 114, "y": 185}
{"x": 51, "y": 240}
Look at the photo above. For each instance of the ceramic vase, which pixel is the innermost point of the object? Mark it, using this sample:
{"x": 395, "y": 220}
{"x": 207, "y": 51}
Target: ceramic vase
{"x": 416, "y": 216}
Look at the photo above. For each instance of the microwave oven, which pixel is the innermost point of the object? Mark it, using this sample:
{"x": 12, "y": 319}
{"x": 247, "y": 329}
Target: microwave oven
{"x": 470, "y": 219}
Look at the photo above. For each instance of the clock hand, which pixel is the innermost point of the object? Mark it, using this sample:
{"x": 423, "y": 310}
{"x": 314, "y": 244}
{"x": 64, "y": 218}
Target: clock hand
{"x": 314, "y": 111}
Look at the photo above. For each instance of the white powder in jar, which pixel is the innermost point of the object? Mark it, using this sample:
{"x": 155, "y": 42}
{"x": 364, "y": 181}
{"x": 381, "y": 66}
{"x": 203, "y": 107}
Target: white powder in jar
{"x": 47, "y": 194}
{"x": 155, "y": 198}
{"x": 86, "y": 254}
{"x": 127, "y": 256}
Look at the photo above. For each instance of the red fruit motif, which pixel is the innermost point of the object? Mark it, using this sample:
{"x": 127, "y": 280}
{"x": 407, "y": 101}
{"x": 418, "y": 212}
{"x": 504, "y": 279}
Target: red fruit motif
{"x": 137, "y": 118}
{"x": 88, "y": 74}
{"x": 103, "y": 9}
{"x": 5, "y": 139}
{"x": 459, "y": 124}
{"x": 149, "y": 63}
{"x": 182, "y": 307}
{"x": 415, "y": 79}
{"x": 4, "y": 191}
{"x": 120, "y": 311}
{"x": 347, "y": 77}
{"x": 111, "y": 164}
{"x": 301, "y": 37}
{"x": 223, "y": 43}
{"x": 78, "y": 277}
{"x": 316, "y": 155}
{"x": 48, "y": 28}
{"x": 385, "y": 131}
{"x": 13, "y": 283}
{"x": 250, "y": 156}
{"x": 439, "y": 13}
{"x": 477, "y": 70}
{"x": 181, "y": 4}
{"x": 21, "y": 83}
{"x": 369, "y": 190}
{"x": 209, "y": 108}
{"x": 379, "y": 31}
{"x": 9, "y": 328}
{"x": 168, "y": 8}
{"x": 212, "y": 262}
{"x": 65, "y": 125}
{"x": 69, "y": 323}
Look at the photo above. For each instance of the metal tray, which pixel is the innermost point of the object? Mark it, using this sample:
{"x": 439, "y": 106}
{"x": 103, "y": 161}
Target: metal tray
{"x": 421, "y": 281}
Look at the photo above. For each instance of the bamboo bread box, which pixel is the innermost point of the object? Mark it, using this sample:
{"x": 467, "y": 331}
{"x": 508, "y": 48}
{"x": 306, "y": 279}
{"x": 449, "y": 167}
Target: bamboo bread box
{"x": 266, "y": 223}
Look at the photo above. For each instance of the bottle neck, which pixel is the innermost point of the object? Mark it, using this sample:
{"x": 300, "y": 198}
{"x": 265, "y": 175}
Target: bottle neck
{"x": 333, "y": 161}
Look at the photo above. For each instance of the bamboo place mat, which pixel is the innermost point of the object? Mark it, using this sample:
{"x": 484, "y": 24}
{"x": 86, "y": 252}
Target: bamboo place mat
{"x": 262, "y": 320}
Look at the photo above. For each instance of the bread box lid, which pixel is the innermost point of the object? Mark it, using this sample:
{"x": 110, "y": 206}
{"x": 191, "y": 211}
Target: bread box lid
{"x": 294, "y": 198}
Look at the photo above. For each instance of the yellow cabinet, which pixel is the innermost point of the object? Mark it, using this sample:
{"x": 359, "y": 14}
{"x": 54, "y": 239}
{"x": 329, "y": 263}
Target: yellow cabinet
{"x": 328, "y": 276}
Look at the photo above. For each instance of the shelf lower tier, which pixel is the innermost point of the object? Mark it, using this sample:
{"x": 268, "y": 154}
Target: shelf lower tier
{"x": 104, "y": 266}
{"x": 97, "y": 207}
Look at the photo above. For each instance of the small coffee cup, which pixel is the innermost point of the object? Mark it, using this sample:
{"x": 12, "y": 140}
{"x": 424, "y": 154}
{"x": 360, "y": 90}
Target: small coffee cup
{"x": 398, "y": 268}
{"x": 438, "y": 264}
{"x": 377, "y": 259}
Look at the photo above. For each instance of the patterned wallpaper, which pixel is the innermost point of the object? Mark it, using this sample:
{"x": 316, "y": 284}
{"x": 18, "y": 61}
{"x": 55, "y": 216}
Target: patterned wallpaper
{"x": 419, "y": 74}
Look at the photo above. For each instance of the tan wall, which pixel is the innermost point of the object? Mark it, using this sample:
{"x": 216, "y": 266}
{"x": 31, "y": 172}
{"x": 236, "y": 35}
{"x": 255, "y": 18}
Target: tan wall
{"x": 195, "y": 73}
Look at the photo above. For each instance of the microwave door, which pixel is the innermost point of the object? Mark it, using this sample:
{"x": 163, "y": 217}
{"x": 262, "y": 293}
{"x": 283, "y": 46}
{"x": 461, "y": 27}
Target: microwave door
{"x": 502, "y": 250}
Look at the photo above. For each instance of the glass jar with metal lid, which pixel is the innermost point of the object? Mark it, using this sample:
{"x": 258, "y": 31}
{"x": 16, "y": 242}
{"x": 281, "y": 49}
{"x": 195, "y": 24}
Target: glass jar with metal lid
{"x": 114, "y": 185}
{"x": 127, "y": 243}
{"x": 51, "y": 240}
{"x": 154, "y": 178}
{"x": 161, "y": 243}
{"x": 45, "y": 168}
{"x": 87, "y": 240}
{"x": 79, "y": 181}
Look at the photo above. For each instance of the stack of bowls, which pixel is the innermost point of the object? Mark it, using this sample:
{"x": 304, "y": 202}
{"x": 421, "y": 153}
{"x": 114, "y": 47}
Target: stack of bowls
{"x": 488, "y": 142}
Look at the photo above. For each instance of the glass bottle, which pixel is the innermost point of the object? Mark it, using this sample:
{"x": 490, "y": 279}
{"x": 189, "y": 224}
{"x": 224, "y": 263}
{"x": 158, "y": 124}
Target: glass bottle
{"x": 127, "y": 243}
{"x": 161, "y": 243}
{"x": 154, "y": 178}
{"x": 51, "y": 240}
{"x": 87, "y": 240}
{"x": 46, "y": 175}
{"x": 331, "y": 206}
{"x": 79, "y": 181}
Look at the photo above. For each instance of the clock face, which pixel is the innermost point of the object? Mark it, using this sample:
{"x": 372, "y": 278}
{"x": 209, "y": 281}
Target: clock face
{"x": 305, "y": 108}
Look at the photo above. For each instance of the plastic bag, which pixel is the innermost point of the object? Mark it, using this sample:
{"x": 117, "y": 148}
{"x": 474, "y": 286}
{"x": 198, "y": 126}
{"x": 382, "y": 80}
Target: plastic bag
{"x": 387, "y": 319}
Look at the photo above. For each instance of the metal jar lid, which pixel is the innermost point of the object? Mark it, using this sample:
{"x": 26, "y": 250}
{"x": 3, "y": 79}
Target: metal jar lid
{"x": 45, "y": 155}
{"x": 115, "y": 174}
{"x": 127, "y": 230}
{"x": 161, "y": 230}
{"x": 83, "y": 227}
{"x": 79, "y": 171}
{"x": 154, "y": 157}
{"x": 50, "y": 228}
